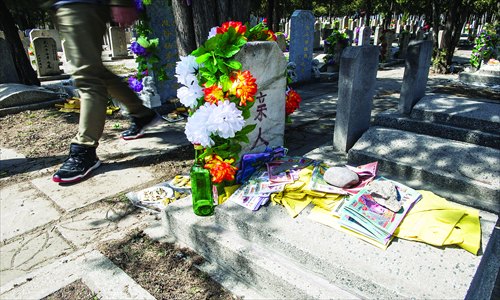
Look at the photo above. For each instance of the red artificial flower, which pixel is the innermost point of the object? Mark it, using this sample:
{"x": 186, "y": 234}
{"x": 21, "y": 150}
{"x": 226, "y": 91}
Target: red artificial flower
{"x": 243, "y": 87}
{"x": 213, "y": 94}
{"x": 292, "y": 101}
{"x": 238, "y": 26}
{"x": 270, "y": 35}
{"x": 220, "y": 169}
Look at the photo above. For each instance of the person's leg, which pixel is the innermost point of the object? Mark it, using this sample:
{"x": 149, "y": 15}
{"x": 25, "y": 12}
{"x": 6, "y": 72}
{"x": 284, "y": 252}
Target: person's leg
{"x": 82, "y": 27}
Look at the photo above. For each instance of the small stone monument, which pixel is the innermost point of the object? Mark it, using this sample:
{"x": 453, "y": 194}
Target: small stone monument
{"x": 440, "y": 39}
{"x": 301, "y": 43}
{"x": 404, "y": 40}
{"x": 53, "y": 33}
{"x": 317, "y": 36}
{"x": 267, "y": 64}
{"x": 149, "y": 94}
{"x": 364, "y": 36}
{"x": 281, "y": 40}
{"x": 376, "y": 36}
{"x": 47, "y": 62}
{"x": 118, "y": 43}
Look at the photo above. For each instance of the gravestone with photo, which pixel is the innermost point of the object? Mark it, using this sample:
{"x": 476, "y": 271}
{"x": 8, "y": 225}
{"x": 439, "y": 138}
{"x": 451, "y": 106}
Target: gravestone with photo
{"x": 301, "y": 43}
{"x": 163, "y": 25}
{"x": 267, "y": 64}
{"x": 47, "y": 62}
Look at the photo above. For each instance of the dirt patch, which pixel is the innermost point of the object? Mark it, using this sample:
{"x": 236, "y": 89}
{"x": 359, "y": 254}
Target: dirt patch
{"x": 165, "y": 270}
{"x": 48, "y": 132}
{"x": 75, "y": 290}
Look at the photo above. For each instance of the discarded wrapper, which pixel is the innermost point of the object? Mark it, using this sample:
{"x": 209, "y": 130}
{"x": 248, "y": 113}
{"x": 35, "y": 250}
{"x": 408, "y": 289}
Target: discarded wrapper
{"x": 157, "y": 198}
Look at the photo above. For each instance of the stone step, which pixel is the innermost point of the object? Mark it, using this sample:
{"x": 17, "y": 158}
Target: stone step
{"x": 476, "y": 114}
{"x": 461, "y": 172}
{"x": 300, "y": 258}
{"x": 270, "y": 273}
{"x": 393, "y": 119}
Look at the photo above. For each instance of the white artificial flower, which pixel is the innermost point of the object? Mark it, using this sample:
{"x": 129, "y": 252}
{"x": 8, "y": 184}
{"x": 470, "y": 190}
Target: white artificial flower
{"x": 225, "y": 120}
{"x": 188, "y": 95}
{"x": 212, "y": 32}
{"x": 185, "y": 67}
{"x": 196, "y": 130}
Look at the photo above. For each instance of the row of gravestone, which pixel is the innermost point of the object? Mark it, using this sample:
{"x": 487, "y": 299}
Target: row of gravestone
{"x": 42, "y": 48}
{"x": 302, "y": 44}
{"x": 412, "y": 25}
{"x": 357, "y": 78}
{"x": 46, "y": 46}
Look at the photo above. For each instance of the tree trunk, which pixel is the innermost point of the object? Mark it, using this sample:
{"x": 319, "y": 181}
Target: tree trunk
{"x": 239, "y": 10}
{"x": 275, "y": 25}
{"x": 455, "y": 19}
{"x": 183, "y": 16}
{"x": 23, "y": 66}
{"x": 204, "y": 17}
{"x": 270, "y": 12}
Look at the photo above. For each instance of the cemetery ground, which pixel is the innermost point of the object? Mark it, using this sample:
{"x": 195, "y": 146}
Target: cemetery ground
{"x": 93, "y": 221}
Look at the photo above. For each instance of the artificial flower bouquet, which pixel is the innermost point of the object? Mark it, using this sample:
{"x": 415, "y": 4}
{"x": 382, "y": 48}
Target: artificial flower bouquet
{"x": 219, "y": 95}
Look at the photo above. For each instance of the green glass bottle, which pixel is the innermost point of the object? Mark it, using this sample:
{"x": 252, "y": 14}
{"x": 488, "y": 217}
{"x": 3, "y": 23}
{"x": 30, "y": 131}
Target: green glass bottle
{"x": 201, "y": 187}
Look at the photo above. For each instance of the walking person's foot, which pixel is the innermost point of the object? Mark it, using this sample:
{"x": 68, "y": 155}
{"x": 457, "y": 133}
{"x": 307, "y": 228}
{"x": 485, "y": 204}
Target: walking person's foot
{"x": 139, "y": 125}
{"x": 81, "y": 161}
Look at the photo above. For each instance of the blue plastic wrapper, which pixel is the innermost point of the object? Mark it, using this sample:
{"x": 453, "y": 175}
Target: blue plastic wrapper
{"x": 250, "y": 162}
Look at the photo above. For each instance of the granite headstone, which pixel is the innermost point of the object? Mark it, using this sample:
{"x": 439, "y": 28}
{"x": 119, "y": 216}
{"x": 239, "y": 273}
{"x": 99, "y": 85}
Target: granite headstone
{"x": 267, "y": 64}
{"x": 301, "y": 43}
{"x": 163, "y": 25}
{"x": 357, "y": 77}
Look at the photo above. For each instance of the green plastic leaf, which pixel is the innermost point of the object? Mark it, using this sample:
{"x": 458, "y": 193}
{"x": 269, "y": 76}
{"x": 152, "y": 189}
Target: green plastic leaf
{"x": 222, "y": 66}
{"x": 240, "y": 42}
{"x": 212, "y": 43}
{"x": 233, "y": 64}
{"x": 246, "y": 114}
{"x": 247, "y": 129}
{"x": 203, "y": 58}
{"x": 143, "y": 41}
{"x": 231, "y": 51}
{"x": 201, "y": 50}
{"x": 226, "y": 83}
{"x": 154, "y": 42}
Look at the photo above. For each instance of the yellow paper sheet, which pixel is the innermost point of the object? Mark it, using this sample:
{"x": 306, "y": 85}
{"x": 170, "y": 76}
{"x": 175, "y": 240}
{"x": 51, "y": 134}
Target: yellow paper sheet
{"x": 436, "y": 221}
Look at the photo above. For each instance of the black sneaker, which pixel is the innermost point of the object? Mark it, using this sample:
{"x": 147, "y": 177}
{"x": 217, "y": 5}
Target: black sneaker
{"x": 81, "y": 161}
{"x": 139, "y": 125}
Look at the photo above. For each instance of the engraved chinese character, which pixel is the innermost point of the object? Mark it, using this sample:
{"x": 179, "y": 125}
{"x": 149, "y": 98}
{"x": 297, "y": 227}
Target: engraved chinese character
{"x": 261, "y": 108}
{"x": 259, "y": 138}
